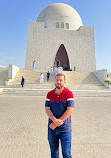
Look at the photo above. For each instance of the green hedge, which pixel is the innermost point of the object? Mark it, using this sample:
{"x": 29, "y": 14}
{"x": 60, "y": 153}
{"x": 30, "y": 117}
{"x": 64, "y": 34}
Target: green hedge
{"x": 7, "y": 79}
{"x": 107, "y": 81}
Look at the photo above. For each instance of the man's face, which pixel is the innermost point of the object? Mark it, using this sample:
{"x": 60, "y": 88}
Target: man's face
{"x": 59, "y": 82}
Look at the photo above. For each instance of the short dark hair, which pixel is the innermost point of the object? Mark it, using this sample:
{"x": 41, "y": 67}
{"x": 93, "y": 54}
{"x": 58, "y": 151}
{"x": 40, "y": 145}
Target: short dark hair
{"x": 61, "y": 75}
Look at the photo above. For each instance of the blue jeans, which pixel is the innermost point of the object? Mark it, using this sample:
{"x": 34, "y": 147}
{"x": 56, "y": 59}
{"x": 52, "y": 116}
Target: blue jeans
{"x": 53, "y": 138}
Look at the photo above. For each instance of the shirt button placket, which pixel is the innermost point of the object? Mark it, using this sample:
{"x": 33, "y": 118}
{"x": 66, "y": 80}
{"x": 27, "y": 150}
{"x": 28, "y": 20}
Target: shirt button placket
{"x": 58, "y": 98}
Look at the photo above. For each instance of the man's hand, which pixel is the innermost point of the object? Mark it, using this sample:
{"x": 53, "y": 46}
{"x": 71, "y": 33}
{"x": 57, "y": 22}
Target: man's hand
{"x": 52, "y": 126}
{"x": 58, "y": 122}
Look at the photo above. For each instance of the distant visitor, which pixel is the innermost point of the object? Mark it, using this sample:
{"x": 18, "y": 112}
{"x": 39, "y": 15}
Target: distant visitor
{"x": 22, "y": 81}
{"x": 48, "y": 75}
{"x": 33, "y": 65}
{"x": 51, "y": 70}
{"x": 41, "y": 78}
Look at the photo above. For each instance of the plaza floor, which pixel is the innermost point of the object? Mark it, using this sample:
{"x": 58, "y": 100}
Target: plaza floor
{"x": 23, "y": 127}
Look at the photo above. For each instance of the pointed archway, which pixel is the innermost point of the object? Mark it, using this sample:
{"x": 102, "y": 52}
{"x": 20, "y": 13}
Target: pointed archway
{"x": 61, "y": 59}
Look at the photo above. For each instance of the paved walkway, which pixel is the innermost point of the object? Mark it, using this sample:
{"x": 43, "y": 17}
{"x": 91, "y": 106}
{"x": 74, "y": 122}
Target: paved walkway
{"x": 23, "y": 127}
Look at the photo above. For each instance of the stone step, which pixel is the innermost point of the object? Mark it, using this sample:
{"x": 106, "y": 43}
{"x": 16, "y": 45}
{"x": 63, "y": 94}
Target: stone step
{"x": 84, "y": 87}
{"x": 51, "y": 84}
{"x": 33, "y": 86}
{"x": 74, "y": 80}
{"x": 30, "y": 76}
{"x": 43, "y": 92}
{"x": 81, "y": 77}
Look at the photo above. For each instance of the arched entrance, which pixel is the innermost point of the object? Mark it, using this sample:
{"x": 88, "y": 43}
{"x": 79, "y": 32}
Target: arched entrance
{"x": 61, "y": 59}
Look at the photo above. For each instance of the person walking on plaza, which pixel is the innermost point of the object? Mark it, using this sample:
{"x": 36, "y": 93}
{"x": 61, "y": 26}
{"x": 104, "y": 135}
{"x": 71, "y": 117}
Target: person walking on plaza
{"x": 59, "y": 105}
{"x": 51, "y": 70}
{"x": 22, "y": 81}
{"x": 41, "y": 78}
{"x": 48, "y": 75}
{"x": 33, "y": 65}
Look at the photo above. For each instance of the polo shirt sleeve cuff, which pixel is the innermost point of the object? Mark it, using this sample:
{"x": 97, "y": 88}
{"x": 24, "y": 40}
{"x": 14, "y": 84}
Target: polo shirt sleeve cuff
{"x": 47, "y": 103}
{"x": 70, "y": 102}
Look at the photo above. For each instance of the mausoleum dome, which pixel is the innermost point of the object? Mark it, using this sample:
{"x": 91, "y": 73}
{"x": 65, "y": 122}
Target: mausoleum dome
{"x": 60, "y": 15}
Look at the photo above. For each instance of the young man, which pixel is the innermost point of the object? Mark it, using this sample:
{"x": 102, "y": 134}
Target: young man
{"x": 59, "y": 106}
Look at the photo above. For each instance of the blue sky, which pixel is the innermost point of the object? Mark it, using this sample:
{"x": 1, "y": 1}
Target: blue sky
{"x": 14, "y": 22}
